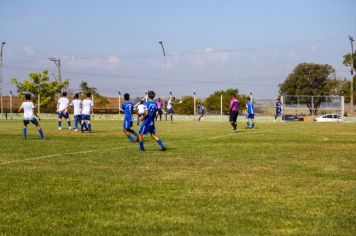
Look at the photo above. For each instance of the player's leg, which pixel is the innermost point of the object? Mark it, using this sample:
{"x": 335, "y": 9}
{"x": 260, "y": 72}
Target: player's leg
{"x": 153, "y": 135}
{"x": 248, "y": 124}
{"x": 60, "y": 120}
{"x": 138, "y": 119}
{"x": 68, "y": 121}
{"x": 89, "y": 126}
{"x": 35, "y": 122}
{"x": 282, "y": 117}
{"x": 199, "y": 118}
{"x": 25, "y": 122}
{"x": 82, "y": 123}
{"x": 275, "y": 118}
{"x": 171, "y": 112}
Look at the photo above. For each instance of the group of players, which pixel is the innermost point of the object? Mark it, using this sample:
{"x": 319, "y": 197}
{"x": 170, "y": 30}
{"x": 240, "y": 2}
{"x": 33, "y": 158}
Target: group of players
{"x": 147, "y": 113}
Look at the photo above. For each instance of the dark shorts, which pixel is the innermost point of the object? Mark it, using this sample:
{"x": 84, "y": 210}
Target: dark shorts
{"x": 64, "y": 115}
{"x": 79, "y": 117}
{"x": 147, "y": 129}
{"x": 233, "y": 115}
{"x": 85, "y": 117}
{"x": 170, "y": 111}
{"x": 160, "y": 112}
{"x": 250, "y": 116}
{"x": 34, "y": 121}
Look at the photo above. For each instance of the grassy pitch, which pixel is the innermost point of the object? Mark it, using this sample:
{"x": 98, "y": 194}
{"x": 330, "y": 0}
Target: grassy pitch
{"x": 279, "y": 179}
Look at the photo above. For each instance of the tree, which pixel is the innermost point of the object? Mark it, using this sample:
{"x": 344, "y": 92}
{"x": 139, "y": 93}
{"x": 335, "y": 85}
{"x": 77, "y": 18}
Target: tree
{"x": 100, "y": 100}
{"x": 41, "y": 85}
{"x": 347, "y": 59}
{"x": 311, "y": 80}
{"x": 187, "y": 105}
{"x": 213, "y": 102}
{"x": 345, "y": 90}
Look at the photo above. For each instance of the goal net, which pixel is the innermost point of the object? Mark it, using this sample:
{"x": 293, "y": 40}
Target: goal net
{"x": 313, "y": 108}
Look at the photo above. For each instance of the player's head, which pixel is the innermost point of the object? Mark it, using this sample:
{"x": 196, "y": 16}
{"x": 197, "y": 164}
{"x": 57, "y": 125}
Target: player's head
{"x": 198, "y": 104}
{"x": 233, "y": 96}
{"x": 141, "y": 102}
{"x": 278, "y": 100}
{"x": 127, "y": 96}
{"x": 173, "y": 99}
{"x": 64, "y": 94}
{"x": 76, "y": 95}
{"x": 151, "y": 94}
{"x": 27, "y": 96}
{"x": 88, "y": 95}
{"x": 248, "y": 99}
{"x": 159, "y": 99}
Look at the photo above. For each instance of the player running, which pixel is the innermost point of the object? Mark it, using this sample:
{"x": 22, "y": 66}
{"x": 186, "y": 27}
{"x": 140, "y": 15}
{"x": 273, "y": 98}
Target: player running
{"x": 76, "y": 104}
{"x": 62, "y": 110}
{"x": 201, "y": 109}
{"x": 29, "y": 114}
{"x": 234, "y": 112}
{"x": 170, "y": 107}
{"x": 87, "y": 110}
{"x": 160, "y": 107}
{"x": 128, "y": 107}
{"x": 279, "y": 110}
{"x": 148, "y": 125}
{"x": 250, "y": 114}
{"x": 141, "y": 111}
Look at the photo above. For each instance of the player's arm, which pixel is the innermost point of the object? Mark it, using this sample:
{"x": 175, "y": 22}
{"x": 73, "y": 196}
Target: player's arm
{"x": 68, "y": 106}
{"x": 144, "y": 116}
{"x": 57, "y": 106}
{"x": 136, "y": 111}
{"x": 81, "y": 110}
{"x": 246, "y": 110}
{"x": 34, "y": 112}
{"x": 20, "y": 109}
{"x": 92, "y": 110}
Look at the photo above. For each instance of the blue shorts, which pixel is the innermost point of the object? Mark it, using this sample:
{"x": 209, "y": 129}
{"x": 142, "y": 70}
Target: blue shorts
{"x": 279, "y": 112}
{"x": 202, "y": 113}
{"x": 78, "y": 117}
{"x": 34, "y": 121}
{"x": 127, "y": 124}
{"x": 64, "y": 115}
{"x": 147, "y": 129}
{"x": 85, "y": 117}
{"x": 170, "y": 111}
{"x": 250, "y": 116}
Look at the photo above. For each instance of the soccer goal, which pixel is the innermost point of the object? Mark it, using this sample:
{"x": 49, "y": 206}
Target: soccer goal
{"x": 313, "y": 108}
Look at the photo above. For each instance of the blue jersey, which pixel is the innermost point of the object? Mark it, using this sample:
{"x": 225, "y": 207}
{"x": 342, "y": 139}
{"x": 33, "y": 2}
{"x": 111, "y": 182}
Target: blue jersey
{"x": 249, "y": 107}
{"x": 152, "y": 109}
{"x": 128, "y": 108}
{"x": 201, "y": 109}
{"x": 278, "y": 109}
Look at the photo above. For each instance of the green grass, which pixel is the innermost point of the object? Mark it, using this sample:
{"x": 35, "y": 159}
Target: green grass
{"x": 279, "y": 179}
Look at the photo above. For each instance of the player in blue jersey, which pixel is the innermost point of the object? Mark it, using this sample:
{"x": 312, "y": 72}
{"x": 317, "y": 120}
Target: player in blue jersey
{"x": 250, "y": 114}
{"x": 29, "y": 114}
{"x": 62, "y": 110}
{"x": 279, "y": 110}
{"x": 201, "y": 109}
{"x": 128, "y": 107}
{"x": 148, "y": 119}
{"x": 76, "y": 104}
{"x": 87, "y": 110}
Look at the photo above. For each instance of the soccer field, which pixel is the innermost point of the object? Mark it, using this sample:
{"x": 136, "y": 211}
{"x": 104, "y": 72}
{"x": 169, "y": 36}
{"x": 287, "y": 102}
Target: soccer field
{"x": 278, "y": 179}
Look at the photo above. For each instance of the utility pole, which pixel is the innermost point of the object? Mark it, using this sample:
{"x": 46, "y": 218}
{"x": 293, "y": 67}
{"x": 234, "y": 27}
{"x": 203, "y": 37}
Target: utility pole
{"x": 352, "y": 77}
{"x": 164, "y": 88}
{"x": 2, "y": 85}
{"x": 10, "y": 102}
{"x": 119, "y": 101}
{"x": 221, "y": 103}
{"x": 194, "y": 102}
{"x": 58, "y": 64}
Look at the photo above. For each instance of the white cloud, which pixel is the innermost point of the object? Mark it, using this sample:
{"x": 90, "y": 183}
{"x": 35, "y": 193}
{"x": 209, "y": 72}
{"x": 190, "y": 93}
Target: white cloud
{"x": 61, "y": 18}
{"x": 29, "y": 50}
{"x": 293, "y": 55}
{"x": 110, "y": 63}
{"x": 313, "y": 49}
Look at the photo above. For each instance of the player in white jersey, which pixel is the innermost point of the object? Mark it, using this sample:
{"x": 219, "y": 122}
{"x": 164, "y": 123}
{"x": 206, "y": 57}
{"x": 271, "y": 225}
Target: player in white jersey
{"x": 87, "y": 110}
{"x": 170, "y": 107}
{"x": 29, "y": 115}
{"x": 141, "y": 111}
{"x": 76, "y": 104}
{"x": 62, "y": 110}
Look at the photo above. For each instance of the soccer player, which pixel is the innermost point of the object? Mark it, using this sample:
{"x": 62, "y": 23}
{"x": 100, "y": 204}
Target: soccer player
{"x": 148, "y": 125}
{"x": 250, "y": 114}
{"x": 234, "y": 112}
{"x": 87, "y": 106}
{"x": 62, "y": 110}
{"x": 201, "y": 111}
{"x": 141, "y": 111}
{"x": 170, "y": 107}
{"x": 279, "y": 110}
{"x": 160, "y": 107}
{"x": 29, "y": 114}
{"x": 128, "y": 107}
{"x": 76, "y": 104}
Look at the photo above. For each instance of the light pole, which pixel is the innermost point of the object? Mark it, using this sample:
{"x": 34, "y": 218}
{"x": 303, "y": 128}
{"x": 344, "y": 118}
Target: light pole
{"x": 194, "y": 103}
{"x": 119, "y": 100}
{"x": 164, "y": 88}
{"x": 10, "y": 102}
{"x": 2, "y": 108}
{"x": 221, "y": 102}
{"x": 352, "y": 78}
{"x": 251, "y": 96}
{"x": 146, "y": 95}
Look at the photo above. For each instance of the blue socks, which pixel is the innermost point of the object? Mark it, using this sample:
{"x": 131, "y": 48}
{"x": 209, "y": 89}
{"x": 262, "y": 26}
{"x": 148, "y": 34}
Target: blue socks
{"x": 68, "y": 123}
{"x": 253, "y": 125}
{"x": 138, "y": 120}
{"x": 76, "y": 124}
{"x": 160, "y": 142}
{"x": 248, "y": 124}
{"x": 24, "y": 132}
{"x": 199, "y": 119}
{"x": 89, "y": 127}
{"x": 171, "y": 117}
{"x": 81, "y": 127}
{"x": 283, "y": 118}
{"x": 141, "y": 145}
{"x": 129, "y": 136}
{"x": 134, "y": 133}
{"x": 40, "y": 131}
{"x": 59, "y": 124}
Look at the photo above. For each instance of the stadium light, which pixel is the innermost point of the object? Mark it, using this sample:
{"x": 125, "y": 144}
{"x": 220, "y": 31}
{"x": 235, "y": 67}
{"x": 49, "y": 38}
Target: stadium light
{"x": 146, "y": 95}
{"x": 251, "y": 96}
{"x": 164, "y": 87}
{"x": 119, "y": 101}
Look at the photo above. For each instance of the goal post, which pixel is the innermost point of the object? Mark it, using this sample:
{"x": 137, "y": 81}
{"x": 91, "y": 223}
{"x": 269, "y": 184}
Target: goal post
{"x": 313, "y": 108}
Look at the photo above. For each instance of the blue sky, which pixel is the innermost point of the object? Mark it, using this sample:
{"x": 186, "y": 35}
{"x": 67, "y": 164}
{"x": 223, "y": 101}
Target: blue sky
{"x": 210, "y": 45}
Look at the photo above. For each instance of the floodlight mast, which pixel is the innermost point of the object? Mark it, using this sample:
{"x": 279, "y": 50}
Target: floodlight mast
{"x": 352, "y": 77}
{"x": 251, "y": 96}
{"x": 164, "y": 87}
{"x": 1, "y": 82}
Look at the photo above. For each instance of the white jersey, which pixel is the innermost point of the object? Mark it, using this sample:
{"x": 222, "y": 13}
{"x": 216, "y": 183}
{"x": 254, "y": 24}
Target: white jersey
{"x": 63, "y": 102}
{"x": 87, "y": 105}
{"x": 27, "y": 110}
{"x": 170, "y": 104}
{"x": 77, "y": 106}
{"x": 141, "y": 109}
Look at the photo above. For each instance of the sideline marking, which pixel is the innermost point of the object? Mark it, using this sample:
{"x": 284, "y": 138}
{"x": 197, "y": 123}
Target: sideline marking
{"x": 107, "y": 149}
